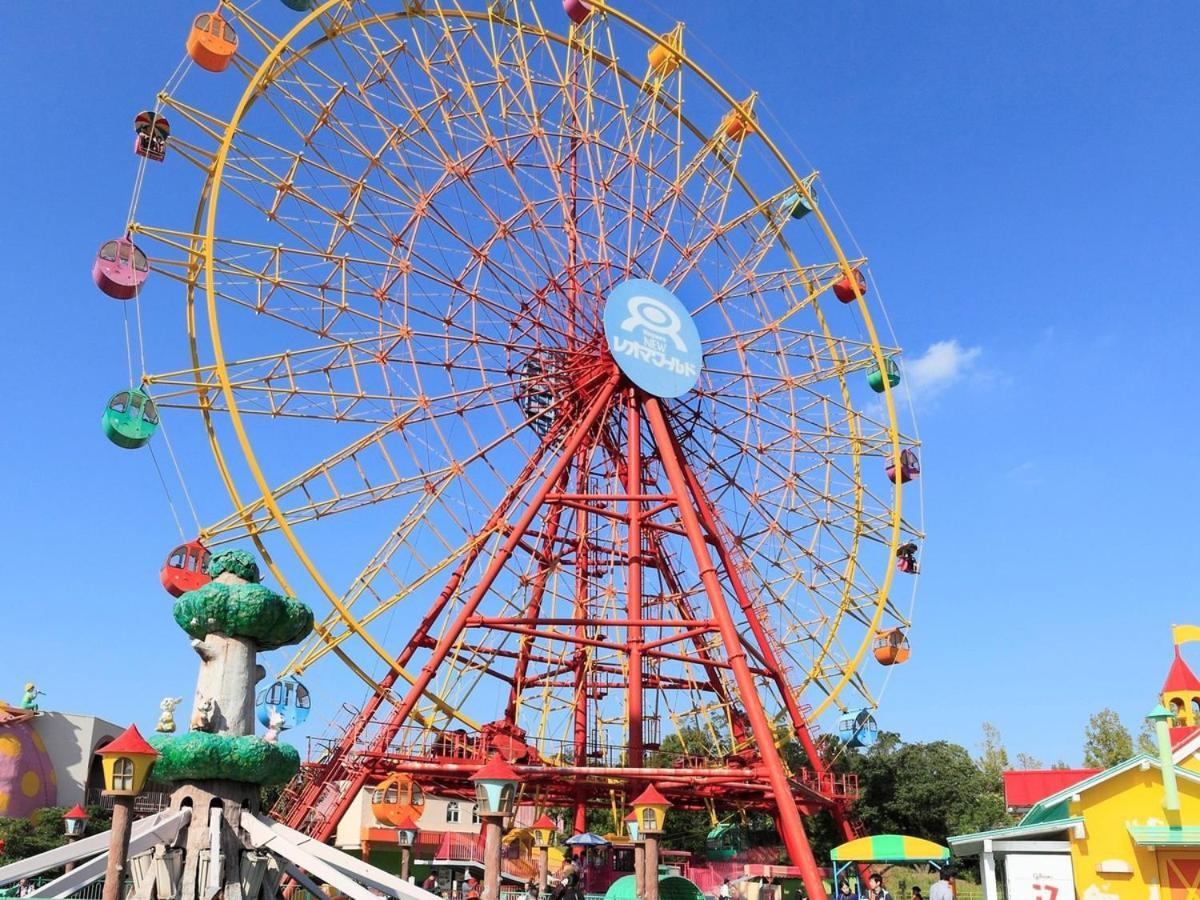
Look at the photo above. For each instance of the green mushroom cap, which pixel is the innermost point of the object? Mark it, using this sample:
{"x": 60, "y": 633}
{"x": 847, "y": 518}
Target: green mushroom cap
{"x": 198, "y": 755}
{"x": 238, "y": 562}
{"x": 249, "y": 611}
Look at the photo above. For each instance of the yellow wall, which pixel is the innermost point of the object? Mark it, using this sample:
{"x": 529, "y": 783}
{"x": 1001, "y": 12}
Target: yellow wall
{"x": 1131, "y": 798}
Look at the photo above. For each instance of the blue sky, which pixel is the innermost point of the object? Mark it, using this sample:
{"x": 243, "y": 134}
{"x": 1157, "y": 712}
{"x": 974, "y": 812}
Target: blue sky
{"x": 1022, "y": 177}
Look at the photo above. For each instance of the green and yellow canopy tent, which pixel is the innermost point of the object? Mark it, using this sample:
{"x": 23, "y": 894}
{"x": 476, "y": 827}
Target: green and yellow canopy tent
{"x": 886, "y": 848}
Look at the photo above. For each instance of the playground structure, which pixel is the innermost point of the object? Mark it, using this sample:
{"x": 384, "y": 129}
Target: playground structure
{"x": 213, "y": 840}
{"x": 597, "y": 369}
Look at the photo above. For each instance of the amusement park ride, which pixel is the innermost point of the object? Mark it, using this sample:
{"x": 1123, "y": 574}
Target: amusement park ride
{"x": 476, "y": 276}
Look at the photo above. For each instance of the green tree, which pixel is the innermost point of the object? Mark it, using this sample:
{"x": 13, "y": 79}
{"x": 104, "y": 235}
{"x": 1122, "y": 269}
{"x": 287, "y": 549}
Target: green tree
{"x": 993, "y": 759}
{"x": 1106, "y": 741}
{"x": 1147, "y": 742}
{"x": 1025, "y": 761}
{"x": 44, "y": 831}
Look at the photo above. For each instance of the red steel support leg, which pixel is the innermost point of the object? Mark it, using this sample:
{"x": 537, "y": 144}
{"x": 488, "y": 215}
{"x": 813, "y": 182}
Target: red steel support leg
{"x": 793, "y": 829}
{"x": 633, "y": 487}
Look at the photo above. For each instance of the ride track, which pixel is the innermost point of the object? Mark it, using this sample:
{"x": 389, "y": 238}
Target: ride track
{"x": 457, "y": 192}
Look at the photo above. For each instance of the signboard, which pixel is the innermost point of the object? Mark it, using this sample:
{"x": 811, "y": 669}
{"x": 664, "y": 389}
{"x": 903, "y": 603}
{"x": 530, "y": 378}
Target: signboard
{"x": 1038, "y": 876}
{"x": 652, "y": 338}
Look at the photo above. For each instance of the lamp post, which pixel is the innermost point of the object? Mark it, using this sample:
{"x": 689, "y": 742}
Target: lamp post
{"x": 127, "y": 762}
{"x": 495, "y": 797}
{"x": 650, "y": 808}
{"x": 1161, "y": 717}
{"x": 543, "y": 834}
{"x": 406, "y": 836}
{"x": 74, "y": 823}
{"x": 639, "y": 856}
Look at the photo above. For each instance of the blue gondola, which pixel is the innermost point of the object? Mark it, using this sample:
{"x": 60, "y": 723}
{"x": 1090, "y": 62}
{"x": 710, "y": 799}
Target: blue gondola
{"x": 857, "y": 728}
{"x": 289, "y": 698}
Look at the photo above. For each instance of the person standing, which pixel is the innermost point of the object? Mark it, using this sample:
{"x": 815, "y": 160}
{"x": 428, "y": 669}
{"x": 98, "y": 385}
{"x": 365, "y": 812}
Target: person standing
{"x": 916, "y": 893}
{"x": 725, "y": 892}
{"x": 877, "y": 890}
{"x": 942, "y": 889}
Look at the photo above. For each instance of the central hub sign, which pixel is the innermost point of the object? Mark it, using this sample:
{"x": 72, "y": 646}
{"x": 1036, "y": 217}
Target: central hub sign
{"x": 652, "y": 337}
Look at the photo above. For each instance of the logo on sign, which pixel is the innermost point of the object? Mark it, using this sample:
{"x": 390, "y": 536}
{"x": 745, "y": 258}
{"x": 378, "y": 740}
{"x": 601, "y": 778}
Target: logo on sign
{"x": 652, "y": 338}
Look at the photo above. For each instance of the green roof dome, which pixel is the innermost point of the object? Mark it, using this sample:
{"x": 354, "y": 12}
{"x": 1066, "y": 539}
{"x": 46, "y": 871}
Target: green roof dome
{"x": 670, "y": 887}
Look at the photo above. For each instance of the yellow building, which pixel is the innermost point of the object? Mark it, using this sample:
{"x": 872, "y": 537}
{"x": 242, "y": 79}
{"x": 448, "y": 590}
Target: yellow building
{"x": 1131, "y": 832}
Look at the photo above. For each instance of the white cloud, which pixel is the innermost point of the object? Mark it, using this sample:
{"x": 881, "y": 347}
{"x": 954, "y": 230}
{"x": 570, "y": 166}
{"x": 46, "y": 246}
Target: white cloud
{"x": 942, "y": 365}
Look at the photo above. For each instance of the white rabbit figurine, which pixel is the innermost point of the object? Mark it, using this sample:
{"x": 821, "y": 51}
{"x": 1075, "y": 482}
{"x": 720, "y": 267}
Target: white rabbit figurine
{"x": 274, "y": 725}
{"x": 166, "y": 722}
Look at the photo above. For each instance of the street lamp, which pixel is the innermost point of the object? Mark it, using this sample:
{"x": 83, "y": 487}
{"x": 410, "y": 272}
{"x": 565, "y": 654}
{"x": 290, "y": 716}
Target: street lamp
{"x": 650, "y": 809}
{"x": 495, "y": 797}
{"x": 126, "y": 762}
{"x": 543, "y": 834}
{"x": 406, "y": 836}
{"x": 74, "y": 823}
{"x": 1161, "y": 718}
{"x": 639, "y": 856}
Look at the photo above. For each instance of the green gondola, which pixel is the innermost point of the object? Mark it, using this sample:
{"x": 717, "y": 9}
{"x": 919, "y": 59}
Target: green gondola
{"x": 130, "y": 419}
{"x": 875, "y": 377}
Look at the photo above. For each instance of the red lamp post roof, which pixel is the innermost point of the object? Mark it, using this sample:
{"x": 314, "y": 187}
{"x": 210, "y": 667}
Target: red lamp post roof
{"x": 407, "y": 824}
{"x": 129, "y": 743}
{"x": 651, "y": 797}
{"x": 77, "y": 812}
{"x": 496, "y": 769}
{"x": 544, "y": 822}
{"x": 1180, "y": 677}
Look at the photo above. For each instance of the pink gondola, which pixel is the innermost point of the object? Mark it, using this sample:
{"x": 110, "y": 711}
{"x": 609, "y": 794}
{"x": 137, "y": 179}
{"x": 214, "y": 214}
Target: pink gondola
{"x": 577, "y": 10}
{"x": 120, "y": 269}
{"x": 910, "y": 467}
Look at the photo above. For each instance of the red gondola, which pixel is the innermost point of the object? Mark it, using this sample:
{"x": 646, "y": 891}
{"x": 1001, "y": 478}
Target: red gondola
{"x": 184, "y": 569}
{"x": 843, "y": 289}
{"x": 906, "y": 559}
{"x": 120, "y": 269}
{"x": 152, "y": 133}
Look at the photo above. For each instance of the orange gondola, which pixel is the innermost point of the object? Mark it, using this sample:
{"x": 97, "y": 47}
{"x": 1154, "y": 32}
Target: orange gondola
{"x": 396, "y": 798}
{"x": 892, "y": 647}
{"x": 211, "y": 42}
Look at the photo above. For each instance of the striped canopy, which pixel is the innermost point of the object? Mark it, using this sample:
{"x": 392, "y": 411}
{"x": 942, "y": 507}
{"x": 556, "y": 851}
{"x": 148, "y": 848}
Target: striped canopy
{"x": 889, "y": 848}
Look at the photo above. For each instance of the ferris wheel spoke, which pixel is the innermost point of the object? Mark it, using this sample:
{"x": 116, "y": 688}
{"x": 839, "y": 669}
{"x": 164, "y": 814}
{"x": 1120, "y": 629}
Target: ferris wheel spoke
{"x": 467, "y": 544}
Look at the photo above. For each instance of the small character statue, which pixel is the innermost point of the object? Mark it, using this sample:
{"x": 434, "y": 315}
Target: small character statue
{"x": 29, "y": 701}
{"x": 274, "y": 725}
{"x": 166, "y": 722}
{"x": 202, "y": 715}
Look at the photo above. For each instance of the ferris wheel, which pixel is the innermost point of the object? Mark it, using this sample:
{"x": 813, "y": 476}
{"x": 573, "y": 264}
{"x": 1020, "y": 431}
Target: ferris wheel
{"x": 518, "y": 340}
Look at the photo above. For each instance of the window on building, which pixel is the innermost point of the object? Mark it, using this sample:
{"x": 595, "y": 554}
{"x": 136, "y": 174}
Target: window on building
{"x": 452, "y": 812}
{"x": 123, "y": 774}
{"x": 475, "y": 817}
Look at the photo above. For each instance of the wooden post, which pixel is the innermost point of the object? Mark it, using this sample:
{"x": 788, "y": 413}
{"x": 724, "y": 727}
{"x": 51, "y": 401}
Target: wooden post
{"x": 650, "y": 867}
{"x": 544, "y": 871}
{"x": 405, "y": 857}
{"x": 118, "y": 848}
{"x": 639, "y": 869}
{"x": 492, "y": 827}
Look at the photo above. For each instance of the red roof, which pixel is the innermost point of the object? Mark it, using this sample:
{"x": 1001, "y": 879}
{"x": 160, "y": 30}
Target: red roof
{"x": 1026, "y": 787}
{"x": 1180, "y": 678}
{"x": 651, "y": 797}
{"x": 129, "y": 741}
{"x": 544, "y": 822}
{"x": 76, "y": 812}
{"x": 496, "y": 769}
